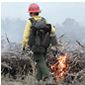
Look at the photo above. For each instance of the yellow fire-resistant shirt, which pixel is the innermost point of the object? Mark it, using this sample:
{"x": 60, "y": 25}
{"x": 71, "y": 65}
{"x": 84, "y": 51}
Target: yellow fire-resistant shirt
{"x": 28, "y": 28}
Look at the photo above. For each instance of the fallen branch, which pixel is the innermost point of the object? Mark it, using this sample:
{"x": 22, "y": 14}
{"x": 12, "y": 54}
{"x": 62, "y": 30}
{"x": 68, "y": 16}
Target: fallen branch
{"x": 6, "y": 66}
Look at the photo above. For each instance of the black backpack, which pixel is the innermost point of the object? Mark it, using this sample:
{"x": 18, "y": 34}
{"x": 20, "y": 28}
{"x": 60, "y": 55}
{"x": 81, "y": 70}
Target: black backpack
{"x": 40, "y": 33}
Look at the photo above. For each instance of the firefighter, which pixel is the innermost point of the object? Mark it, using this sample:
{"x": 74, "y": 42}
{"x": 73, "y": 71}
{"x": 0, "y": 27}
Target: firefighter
{"x": 38, "y": 51}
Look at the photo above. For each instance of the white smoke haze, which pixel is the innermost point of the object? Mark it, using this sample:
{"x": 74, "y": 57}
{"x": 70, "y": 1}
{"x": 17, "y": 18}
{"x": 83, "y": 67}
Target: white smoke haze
{"x": 71, "y": 28}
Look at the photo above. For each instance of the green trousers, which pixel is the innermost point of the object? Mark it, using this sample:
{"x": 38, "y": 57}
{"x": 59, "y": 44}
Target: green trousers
{"x": 42, "y": 69}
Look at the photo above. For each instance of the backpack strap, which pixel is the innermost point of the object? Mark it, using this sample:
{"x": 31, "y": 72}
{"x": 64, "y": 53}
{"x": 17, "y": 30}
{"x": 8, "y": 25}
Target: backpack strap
{"x": 33, "y": 21}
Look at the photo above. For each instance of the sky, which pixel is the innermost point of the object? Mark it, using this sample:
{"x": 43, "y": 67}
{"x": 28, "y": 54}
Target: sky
{"x": 54, "y": 12}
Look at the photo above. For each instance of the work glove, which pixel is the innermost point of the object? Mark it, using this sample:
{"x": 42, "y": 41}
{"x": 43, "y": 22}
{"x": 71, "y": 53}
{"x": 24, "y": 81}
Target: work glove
{"x": 23, "y": 48}
{"x": 26, "y": 48}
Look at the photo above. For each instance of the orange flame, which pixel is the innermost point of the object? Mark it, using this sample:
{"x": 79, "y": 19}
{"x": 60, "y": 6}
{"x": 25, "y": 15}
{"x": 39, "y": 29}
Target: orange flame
{"x": 60, "y": 68}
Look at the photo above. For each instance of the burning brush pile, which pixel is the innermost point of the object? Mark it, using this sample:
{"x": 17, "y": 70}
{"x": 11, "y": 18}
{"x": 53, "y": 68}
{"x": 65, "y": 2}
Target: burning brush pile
{"x": 15, "y": 63}
{"x": 16, "y": 67}
{"x": 60, "y": 68}
{"x": 67, "y": 66}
